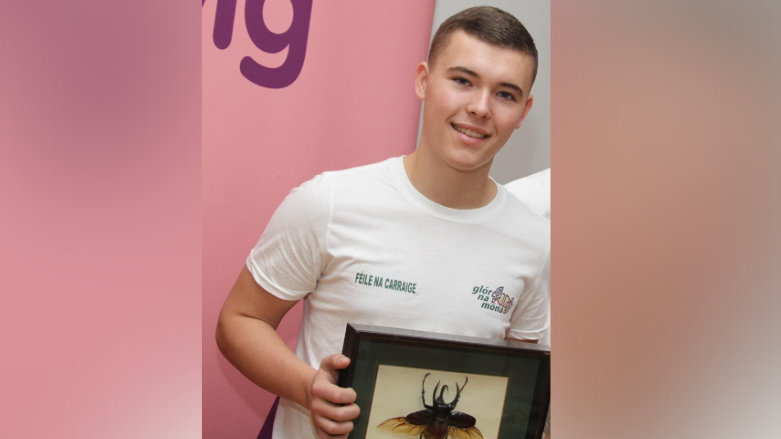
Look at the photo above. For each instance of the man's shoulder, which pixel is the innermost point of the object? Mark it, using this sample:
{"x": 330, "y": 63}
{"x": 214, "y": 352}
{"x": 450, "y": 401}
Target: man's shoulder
{"x": 341, "y": 188}
{"x": 362, "y": 178}
{"x": 537, "y": 181}
{"x": 522, "y": 210}
{"x": 347, "y": 177}
{"x": 362, "y": 171}
{"x": 533, "y": 191}
{"x": 523, "y": 222}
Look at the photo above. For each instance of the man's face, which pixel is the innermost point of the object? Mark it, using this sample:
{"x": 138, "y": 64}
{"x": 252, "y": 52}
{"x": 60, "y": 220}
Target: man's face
{"x": 476, "y": 95}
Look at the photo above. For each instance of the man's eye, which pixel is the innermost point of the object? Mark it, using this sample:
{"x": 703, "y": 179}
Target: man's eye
{"x": 461, "y": 81}
{"x": 506, "y": 96}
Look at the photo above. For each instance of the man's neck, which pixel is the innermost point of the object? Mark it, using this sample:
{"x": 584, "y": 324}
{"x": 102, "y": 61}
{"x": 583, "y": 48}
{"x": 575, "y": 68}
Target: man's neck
{"x": 447, "y": 186}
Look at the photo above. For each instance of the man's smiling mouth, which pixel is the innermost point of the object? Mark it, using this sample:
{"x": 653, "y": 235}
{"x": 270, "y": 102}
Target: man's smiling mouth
{"x": 469, "y": 133}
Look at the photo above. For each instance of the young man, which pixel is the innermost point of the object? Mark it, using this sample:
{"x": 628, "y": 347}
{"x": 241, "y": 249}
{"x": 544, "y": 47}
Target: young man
{"x": 408, "y": 242}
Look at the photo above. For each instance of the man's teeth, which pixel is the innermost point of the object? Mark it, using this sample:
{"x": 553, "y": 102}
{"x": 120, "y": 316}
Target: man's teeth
{"x": 469, "y": 133}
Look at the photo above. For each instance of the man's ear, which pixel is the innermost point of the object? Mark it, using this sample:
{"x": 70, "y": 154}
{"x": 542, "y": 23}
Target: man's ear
{"x": 526, "y": 109}
{"x": 421, "y": 80}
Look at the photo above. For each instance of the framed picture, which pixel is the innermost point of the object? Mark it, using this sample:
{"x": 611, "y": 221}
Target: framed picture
{"x": 434, "y": 386}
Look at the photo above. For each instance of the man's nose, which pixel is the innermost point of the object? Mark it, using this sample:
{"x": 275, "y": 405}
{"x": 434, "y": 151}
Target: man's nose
{"x": 480, "y": 106}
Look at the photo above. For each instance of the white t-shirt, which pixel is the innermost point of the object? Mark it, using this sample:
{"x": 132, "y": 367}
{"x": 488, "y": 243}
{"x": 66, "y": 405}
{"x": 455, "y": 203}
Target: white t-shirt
{"x": 533, "y": 190}
{"x": 364, "y": 246}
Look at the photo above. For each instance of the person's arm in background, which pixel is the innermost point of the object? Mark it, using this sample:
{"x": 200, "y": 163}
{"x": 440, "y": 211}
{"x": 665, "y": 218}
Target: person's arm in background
{"x": 247, "y": 337}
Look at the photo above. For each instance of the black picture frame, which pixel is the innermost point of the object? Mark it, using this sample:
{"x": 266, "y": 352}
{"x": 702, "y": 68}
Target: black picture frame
{"x": 524, "y": 368}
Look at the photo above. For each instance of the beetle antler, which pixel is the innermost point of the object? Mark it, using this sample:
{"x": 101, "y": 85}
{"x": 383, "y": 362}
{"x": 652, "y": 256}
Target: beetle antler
{"x": 458, "y": 392}
{"x": 423, "y": 393}
{"x": 444, "y": 389}
{"x": 462, "y": 387}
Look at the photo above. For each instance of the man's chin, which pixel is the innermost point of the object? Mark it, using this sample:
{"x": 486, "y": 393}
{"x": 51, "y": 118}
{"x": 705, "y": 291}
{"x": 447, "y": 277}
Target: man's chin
{"x": 470, "y": 165}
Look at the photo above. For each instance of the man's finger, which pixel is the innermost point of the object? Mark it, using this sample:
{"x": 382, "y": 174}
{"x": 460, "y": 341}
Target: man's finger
{"x": 333, "y": 363}
{"x": 338, "y": 413}
{"x": 323, "y": 435}
{"x": 333, "y": 428}
{"x": 333, "y": 393}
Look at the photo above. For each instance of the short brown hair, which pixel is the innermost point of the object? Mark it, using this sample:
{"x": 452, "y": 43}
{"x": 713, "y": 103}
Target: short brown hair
{"x": 490, "y": 24}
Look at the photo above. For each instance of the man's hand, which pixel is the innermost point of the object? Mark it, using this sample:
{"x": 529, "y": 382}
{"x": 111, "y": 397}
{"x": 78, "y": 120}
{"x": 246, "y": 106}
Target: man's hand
{"x": 332, "y": 407}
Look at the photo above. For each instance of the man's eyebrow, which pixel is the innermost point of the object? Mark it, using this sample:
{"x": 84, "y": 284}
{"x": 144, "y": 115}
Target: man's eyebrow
{"x": 466, "y": 71}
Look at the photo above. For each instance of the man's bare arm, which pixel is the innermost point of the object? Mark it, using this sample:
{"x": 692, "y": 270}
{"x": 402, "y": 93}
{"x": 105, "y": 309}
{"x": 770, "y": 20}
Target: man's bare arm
{"x": 247, "y": 337}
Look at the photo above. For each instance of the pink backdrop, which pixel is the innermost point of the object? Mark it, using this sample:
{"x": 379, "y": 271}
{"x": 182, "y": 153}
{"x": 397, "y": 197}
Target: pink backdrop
{"x": 352, "y": 104}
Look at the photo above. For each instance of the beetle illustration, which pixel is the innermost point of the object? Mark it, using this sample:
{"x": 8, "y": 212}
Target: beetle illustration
{"x": 437, "y": 421}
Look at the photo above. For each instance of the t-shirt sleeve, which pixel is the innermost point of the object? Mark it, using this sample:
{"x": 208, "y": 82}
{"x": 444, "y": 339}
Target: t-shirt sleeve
{"x": 530, "y": 318}
{"x": 290, "y": 255}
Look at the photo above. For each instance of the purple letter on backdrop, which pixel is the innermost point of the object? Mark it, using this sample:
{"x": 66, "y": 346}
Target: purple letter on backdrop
{"x": 295, "y": 38}
{"x": 223, "y": 23}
